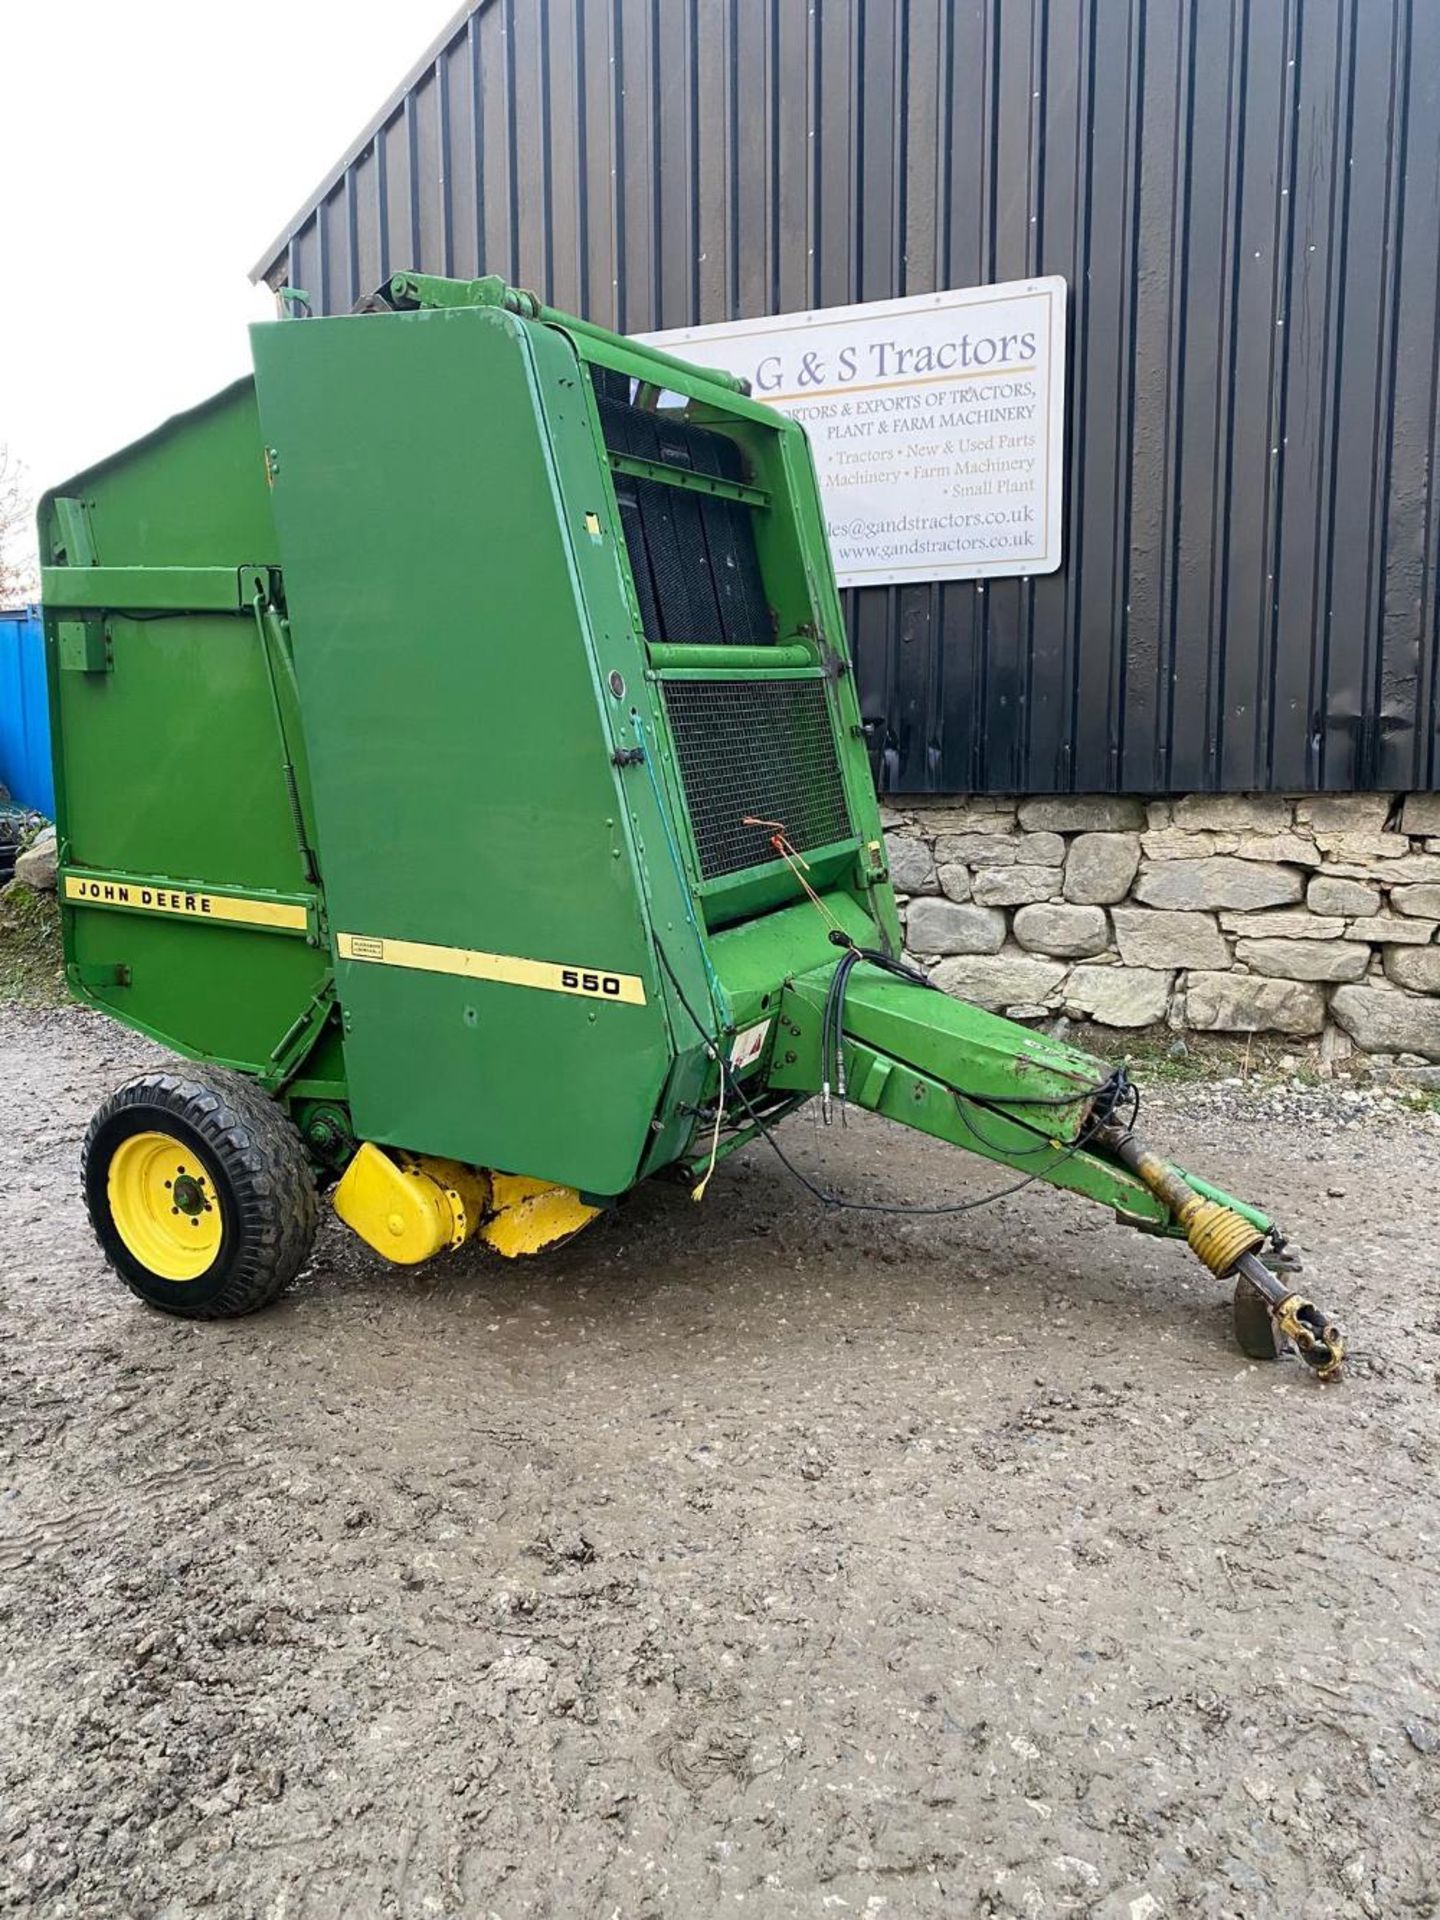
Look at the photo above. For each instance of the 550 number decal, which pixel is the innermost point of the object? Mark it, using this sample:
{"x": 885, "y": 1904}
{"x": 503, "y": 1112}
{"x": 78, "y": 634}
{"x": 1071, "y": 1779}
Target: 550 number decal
{"x": 577, "y": 982}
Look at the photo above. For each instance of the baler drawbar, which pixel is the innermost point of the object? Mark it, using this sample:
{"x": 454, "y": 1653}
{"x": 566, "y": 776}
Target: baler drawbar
{"x": 459, "y": 761}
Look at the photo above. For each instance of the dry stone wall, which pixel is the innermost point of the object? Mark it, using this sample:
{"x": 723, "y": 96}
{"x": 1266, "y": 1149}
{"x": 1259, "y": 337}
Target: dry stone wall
{"x": 1313, "y": 917}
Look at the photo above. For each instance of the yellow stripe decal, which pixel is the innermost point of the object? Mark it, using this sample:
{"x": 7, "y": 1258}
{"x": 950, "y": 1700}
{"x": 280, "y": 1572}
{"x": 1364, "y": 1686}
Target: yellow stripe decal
{"x": 108, "y": 890}
{"x": 591, "y": 983}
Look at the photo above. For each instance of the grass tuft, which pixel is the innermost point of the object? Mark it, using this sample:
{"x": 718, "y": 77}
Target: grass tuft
{"x": 32, "y": 968}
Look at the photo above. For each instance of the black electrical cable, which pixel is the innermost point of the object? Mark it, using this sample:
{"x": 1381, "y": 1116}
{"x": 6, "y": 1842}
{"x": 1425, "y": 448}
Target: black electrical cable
{"x": 1118, "y": 1086}
{"x": 988, "y": 1141}
{"x": 832, "y": 1022}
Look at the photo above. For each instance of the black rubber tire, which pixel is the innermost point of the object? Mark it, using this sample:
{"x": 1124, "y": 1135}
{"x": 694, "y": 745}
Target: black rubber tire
{"x": 258, "y": 1170}
{"x": 1254, "y": 1328}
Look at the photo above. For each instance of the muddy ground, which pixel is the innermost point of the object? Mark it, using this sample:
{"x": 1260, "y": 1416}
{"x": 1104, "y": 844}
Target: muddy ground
{"x": 738, "y": 1559}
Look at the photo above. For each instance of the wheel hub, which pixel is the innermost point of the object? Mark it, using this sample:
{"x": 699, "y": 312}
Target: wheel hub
{"x": 163, "y": 1203}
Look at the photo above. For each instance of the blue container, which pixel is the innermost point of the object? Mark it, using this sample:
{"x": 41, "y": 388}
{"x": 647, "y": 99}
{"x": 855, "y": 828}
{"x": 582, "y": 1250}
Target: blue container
{"x": 25, "y": 712}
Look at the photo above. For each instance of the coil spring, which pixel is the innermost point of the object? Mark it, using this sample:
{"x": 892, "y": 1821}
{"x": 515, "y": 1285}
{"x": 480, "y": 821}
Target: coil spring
{"x": 1217, "y": 1235}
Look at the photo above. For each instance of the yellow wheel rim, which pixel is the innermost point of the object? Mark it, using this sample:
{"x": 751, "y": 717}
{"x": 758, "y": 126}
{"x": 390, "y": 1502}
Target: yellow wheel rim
{"x": 164, "y": 1205}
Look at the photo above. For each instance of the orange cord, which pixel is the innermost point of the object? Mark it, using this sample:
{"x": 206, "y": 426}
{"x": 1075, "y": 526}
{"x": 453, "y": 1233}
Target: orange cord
{"x": 797, "y": 865}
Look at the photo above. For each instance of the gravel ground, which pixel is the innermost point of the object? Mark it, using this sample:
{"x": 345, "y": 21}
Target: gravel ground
{"x": 736, "y": 1560}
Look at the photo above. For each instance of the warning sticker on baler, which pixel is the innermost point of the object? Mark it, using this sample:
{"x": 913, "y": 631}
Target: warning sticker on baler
{"x": 748, "y": 1047}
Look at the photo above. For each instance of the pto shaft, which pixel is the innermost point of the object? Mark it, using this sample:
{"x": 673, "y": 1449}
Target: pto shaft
{"x": 1229, "y": 1245}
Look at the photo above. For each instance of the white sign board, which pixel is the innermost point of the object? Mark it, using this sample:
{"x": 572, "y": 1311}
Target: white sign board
{"x": 937, "y": 424}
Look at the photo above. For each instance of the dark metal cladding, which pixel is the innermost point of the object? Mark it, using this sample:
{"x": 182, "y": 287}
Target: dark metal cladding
{"x": 1244, "y": 196}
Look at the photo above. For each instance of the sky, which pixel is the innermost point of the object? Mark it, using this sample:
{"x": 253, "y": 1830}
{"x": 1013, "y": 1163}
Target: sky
{"x": 150, "y": 151}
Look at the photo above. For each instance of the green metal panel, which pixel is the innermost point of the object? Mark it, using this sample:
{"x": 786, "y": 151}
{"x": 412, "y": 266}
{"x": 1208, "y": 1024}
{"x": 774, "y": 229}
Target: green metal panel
{"x": 695, "y": 482}
{"x": 183, "y": 730}
{"x": 169, "y": 589}
{"x": 755, "y": 958}
{"x": 456, "y": 624}
{"x": 190, "y": 494}
{"x": 997, "y": 1059}
{"x": 168, "y": 762}
{"x": 217, "y": 992}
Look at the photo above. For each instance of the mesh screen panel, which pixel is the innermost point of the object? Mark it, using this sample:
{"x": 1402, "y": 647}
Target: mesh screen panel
{"x": 757, "y": 747}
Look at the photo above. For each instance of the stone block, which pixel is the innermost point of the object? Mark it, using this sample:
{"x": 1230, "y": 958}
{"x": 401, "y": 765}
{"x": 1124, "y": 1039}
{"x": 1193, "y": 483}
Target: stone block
{"x": 1100, "y": 867}
{"x": 1172, "y": 843}
{"x": 1296, "y": 848}
{"x": 1040, "y": 850}
{"x": 1426, "y": 1077}
{"x": 1344, "y": 812}
{"x": 955, "y": 882}
{"x": 1150, "y": 939}
{"x": 1011, "y": 886}
{"x": 1083, "y": 813}
{"x": 1249, "y": 1003}
{"x": 1283, "y": 925}
{"x": 1415, "y": 869}
{"x": 1416, "y": 968}
{"x": 1335, "y": 1046}
{"x": 36, "y": 866}
{"x": 1234, "y": 812}
{"x": 1069, "y": 933}
{"x": 1000, "y": 980}
{"x": 1421, "y": 813}
{"x": 976, "y": 849}
{"x": 1194, "y": 885}
{"x": 1392, "y": 929}
{"x": 1304, "y": 959}
{"x": 1422, "y": 902}
{"x": 1387, "y": 1020}
{"x": 1368, "y": 848}
{"x": 1325, "y": 895}
{"x": 1119, "y": 996}
{"x": 999, "y": 849}
{"x": 944, "y": 926}
{"x": 912, "y": 865}
{"x": 981, "y": 814}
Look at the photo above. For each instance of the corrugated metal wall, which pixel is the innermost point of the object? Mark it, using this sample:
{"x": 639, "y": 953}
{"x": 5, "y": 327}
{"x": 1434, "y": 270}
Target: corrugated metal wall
{"x": 1245, "y": 198}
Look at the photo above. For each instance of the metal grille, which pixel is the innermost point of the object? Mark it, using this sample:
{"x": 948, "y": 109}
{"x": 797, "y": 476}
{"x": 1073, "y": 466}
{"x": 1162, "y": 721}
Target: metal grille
{"x": 762, "y": 748}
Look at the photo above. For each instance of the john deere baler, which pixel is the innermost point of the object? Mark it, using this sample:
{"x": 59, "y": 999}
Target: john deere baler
{"x": 459, "y": 761}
